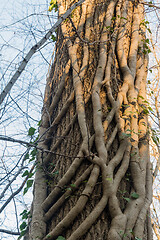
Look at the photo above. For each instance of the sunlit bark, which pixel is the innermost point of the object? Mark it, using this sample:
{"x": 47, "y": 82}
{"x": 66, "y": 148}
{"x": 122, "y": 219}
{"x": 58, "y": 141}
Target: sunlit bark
{"x": 96, "y": 181}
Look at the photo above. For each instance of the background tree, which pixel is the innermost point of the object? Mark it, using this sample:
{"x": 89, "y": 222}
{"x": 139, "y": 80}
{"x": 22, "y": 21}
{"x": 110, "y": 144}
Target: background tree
{"x": 96, "y": 180}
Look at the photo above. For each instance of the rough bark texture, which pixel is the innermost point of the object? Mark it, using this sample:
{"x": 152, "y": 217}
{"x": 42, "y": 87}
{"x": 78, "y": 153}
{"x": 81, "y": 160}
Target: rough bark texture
{"x": 93, "y": 181}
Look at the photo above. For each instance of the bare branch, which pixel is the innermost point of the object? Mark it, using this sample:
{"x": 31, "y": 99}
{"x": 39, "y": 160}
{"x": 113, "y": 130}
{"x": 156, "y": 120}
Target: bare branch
{"x": 34, "y": 49}
{"x": 9, "y": 232}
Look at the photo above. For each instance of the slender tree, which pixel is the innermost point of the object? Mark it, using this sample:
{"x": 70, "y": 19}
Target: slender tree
{"x": 93, "y": 178}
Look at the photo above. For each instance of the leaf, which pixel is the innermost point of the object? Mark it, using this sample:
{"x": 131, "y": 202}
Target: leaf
{"x": 135, "y": 195}
{"x": 132, "y": 140}
{"x": 25, "y": 216}
{"x": 145, "y": 111}
{"x": 126, "y": 134}
{"x": 124, "y": 18}
{"x": 30, "y": 175}
{"x": 26, "y": 173}
{"x": 144, "y": 51}
{"x": 50, "y": 8}
{"x": 34, "y": 152}
{"x": 31, "y": 131}
{"x": 60, "y": 238}
{"x": 39, "y": 123}
{"x": 52, "y": 2}
{"x": 141, "y": 97}
{"x": 55, "y": 173}
{"x": 149, "y": 30}
{"x": 22, "y": 234}
{"x": 109, "y": 179}
{"x": 150, "y": 108}
{"x": 33, "y": 158}
{"x": 29, "y": 183}
{"x": 25, "y": 211}
{"x": 26, "y": 156}
{"x": 25, "y": 190}
{"x": 23, "y": 226}
{"x": 133, "y": 154}
{"x": 127, "y": 199}
{"x": 155, "y": 139}
{"x": 72, "y": 185}
{"x": 53, "y": 38}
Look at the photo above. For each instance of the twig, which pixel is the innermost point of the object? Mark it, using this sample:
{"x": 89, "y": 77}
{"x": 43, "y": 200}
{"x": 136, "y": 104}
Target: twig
{"x": 34, "y": 49}
{"x": 9, "y": 232}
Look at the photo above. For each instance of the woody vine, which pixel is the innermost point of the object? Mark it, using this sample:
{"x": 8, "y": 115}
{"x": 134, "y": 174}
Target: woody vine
{"x": 94, "y": 176}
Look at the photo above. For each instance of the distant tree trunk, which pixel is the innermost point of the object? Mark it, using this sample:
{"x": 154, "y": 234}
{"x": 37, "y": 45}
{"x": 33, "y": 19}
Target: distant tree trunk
{"x": 93, "y": 178}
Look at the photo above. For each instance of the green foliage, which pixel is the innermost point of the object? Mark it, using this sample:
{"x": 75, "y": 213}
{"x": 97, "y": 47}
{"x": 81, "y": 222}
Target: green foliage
{"x": 23, "y": 227}
{"x": 145, "y": 106}
{"x": 146, "y": 48}
{"x": 27, "y": 156}
{"x": 73, "y": 185}
{"x": 135, "y": 195}
{"x": 55, "y": 173}
{"x": 39, "y": 123}
{"x": 145, "y": 24}
{"x": 26, "y": 173}
{"x": 109, "y": 179}
{"x": 127, "y": 199}
{"x": 29, "y": 182}
{"x": 25, "y": 214}
{"x": 123, "y": 18}
{"x": 126, "y": 135}
{"x": 60, "y": 238}
{"x": 155, "y": 137}
{"x": 53, "y": 5}
{"x": 31, "y": 155}
{"x": 29, "y": 185}
{"x": 23, "y": 232}
{"x": 54, "y": 39}
{"x": 31, "y": 131}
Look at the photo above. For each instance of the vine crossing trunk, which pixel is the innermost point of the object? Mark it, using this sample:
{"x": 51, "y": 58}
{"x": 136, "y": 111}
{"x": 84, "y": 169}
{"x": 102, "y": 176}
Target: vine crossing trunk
{"x": 93, "y": 179}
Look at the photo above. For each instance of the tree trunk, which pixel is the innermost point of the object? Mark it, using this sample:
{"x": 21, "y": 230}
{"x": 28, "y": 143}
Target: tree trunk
{"x": 93, "y": 179}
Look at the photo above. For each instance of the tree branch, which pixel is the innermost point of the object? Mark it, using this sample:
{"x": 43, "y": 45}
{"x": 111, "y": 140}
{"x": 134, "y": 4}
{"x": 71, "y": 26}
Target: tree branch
{"x": 9, "y": 232}
{"x": 34, "y": 49}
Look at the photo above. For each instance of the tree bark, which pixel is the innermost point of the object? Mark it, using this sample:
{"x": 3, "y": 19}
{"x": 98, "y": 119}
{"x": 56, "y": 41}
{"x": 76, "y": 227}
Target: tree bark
{"x": 93, "y": 179}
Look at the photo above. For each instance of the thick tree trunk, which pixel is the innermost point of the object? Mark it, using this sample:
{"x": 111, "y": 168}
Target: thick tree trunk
{"x": 93, "y": 180}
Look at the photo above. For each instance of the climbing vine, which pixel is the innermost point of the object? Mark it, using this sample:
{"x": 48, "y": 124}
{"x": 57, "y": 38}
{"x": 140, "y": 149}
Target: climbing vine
{"x": 95, "y": 182}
